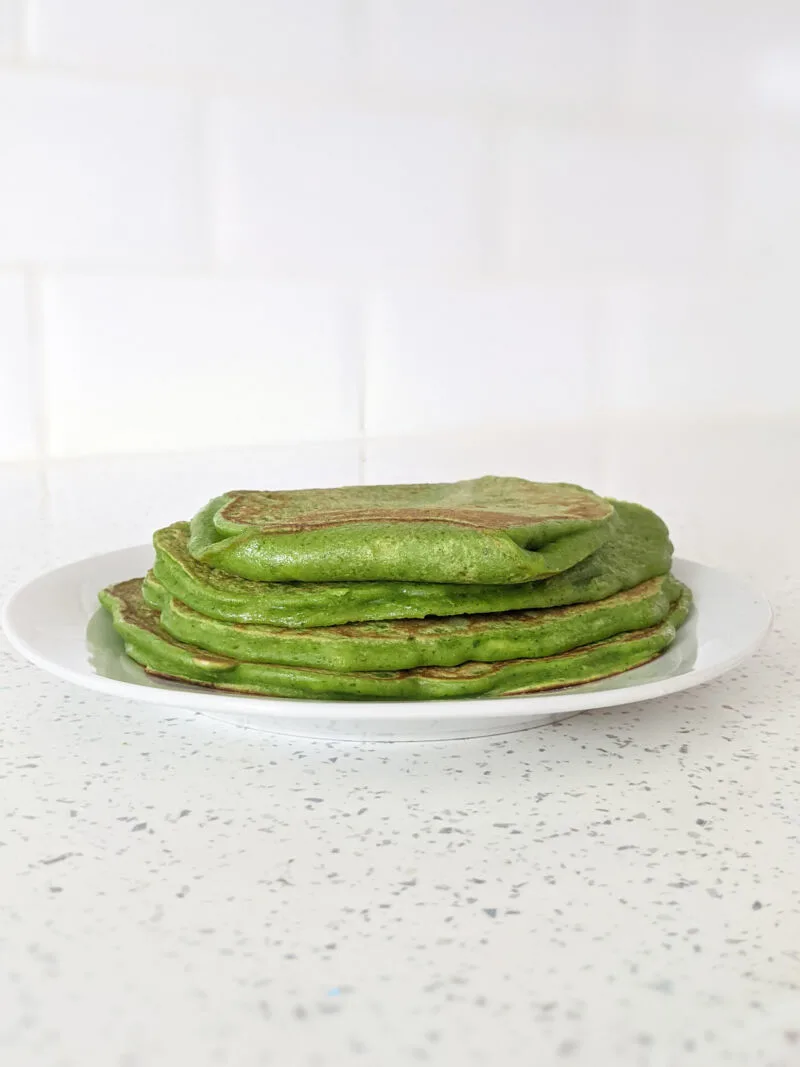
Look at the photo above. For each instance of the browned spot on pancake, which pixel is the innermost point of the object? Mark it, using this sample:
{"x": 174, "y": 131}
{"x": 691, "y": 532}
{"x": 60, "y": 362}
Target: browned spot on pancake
{"x": 583, "y": 681}
{"x": 133, "y": 608}
{"x": 293, "y": 512}
{"x": 193, "y": 681}
{"x": 240, "y": 688}
{"x": 635, "y": 635}
{"x": 130, "y": 587}
{"x": 648, "y": 588}
{"x": 135, "y": 611}
{"x": 599, "y": 676}
{"x": 483, "y": 520}
{"x": 467, "y": 669}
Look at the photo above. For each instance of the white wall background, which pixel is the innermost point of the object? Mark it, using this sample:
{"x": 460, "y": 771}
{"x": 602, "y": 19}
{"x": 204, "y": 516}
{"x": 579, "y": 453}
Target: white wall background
{"x": 235, "y": 222}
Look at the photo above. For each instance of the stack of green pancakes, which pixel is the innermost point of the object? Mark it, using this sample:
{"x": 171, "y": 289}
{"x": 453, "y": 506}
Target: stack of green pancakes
{"x": 489, "y": 587}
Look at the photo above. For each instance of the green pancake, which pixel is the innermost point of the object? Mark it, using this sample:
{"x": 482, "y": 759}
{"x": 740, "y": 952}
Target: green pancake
{"x": 404, "y": 644}
{"x": 148, "y": 643}
{"x": 488, "y": 530}
{"x": 638, "y": 549}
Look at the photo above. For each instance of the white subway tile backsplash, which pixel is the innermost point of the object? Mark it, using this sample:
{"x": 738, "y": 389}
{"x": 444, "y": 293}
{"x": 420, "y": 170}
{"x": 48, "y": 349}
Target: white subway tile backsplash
{"x": 703, "y": 349}
{"x": 558, "y": 51}
{"x": 141, "y": 364}
{"x": 97, "y": 172}
{"x": 270, "y": 39}
{"x": 611, "y": 202}
{"x": 453, "y": 359}
{"x": 716, "y": 59}
{"x": 12, "y": 14}
{"x": 543, "y": 210}
{"x": 346, "y": 192}
{"x": 764, "y": 224}
{"x": 540, "y": 451}
{"x": 666, "y": 479}
{"x": 17, "y": 402}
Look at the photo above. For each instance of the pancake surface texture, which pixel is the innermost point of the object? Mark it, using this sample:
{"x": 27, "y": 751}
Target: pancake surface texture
{"x": 488, "y": 530}
{"x": 149, "y": 644}
{"x": 638, "y": 549}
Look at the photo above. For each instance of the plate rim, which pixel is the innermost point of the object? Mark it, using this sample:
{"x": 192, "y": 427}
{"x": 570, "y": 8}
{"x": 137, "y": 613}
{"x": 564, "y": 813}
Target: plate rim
{"x": 523, "y": 706}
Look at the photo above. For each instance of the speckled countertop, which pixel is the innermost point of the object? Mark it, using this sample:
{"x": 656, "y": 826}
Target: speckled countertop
{"x": 621, "y": 888}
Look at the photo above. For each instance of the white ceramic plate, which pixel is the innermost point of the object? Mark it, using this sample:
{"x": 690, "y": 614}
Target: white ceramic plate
{"x": 55, "y": 622}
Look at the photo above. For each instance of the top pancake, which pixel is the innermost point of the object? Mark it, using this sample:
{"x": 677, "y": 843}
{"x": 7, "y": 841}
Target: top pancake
{"x": 488, "y": 530}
